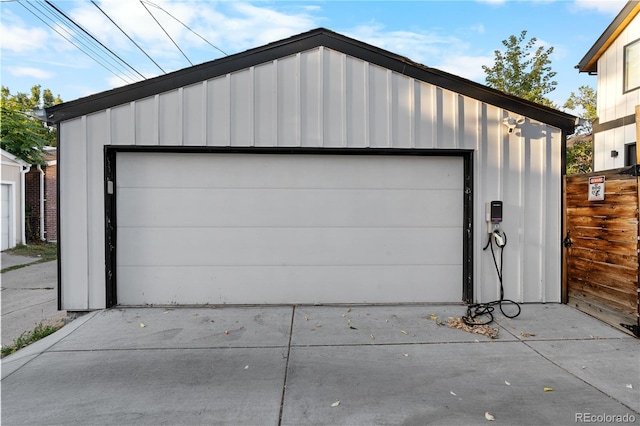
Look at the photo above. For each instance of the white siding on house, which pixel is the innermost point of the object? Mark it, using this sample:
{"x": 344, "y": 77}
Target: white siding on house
{"x": 613, "y": 103}
{"x": 323, "y": 98}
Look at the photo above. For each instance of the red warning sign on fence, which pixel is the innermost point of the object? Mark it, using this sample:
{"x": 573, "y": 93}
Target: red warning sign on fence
{"x": 596, "y": 188}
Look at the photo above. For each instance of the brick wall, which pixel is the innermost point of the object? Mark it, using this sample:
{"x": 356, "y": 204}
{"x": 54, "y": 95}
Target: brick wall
{"x": 51, "y": 204}
{"x": 32, "y": 205}
{"x": 32, "y": 201}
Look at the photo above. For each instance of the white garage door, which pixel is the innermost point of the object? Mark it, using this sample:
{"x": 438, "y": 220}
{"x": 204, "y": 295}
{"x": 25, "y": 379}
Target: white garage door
{"x": 276, "y": 228}
{"x": 7, "y": 220}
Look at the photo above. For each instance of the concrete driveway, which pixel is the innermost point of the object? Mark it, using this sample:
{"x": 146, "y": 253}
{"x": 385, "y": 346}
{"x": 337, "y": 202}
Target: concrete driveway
{"x": 323, "y": 365}
{"x": 29, "y": 296}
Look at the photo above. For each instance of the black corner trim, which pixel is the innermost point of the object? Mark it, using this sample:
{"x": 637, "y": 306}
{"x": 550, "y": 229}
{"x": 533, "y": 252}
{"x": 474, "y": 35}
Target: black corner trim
{"x": 110, "y": 226}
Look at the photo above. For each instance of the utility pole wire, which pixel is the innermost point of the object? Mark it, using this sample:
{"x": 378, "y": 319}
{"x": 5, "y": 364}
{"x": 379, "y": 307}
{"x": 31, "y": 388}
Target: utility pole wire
{"x": 91, "y": 49}
{"x": 127, "y": 35}
{"x": 93, "y": 38}
{"x": 185, "y": 25}
{"x": 165, "y": 31}
{"x": 78, "y": 47}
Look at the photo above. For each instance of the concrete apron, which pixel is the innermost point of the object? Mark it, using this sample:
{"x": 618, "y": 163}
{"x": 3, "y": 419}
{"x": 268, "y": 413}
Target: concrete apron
{"x": 359, "y": 365}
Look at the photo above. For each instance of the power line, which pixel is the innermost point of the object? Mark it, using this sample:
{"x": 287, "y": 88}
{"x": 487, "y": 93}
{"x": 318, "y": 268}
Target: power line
{"x": 184, "y": 25}
{"x": 87, "y": 43}
{"x": 127, "y": 35}
{"x": 70, "y": 41}
{"x": 93, "y": 38}
{"x": 165, "y": 31}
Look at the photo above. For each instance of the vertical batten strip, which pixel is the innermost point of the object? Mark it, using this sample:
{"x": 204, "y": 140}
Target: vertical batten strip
{"x": 411, "y": 103}
{"x": 87, "y": 195}
{"x": 156, "y": 120}
{"x": 366, "y": 106}
{"x": 180, "y": 130}
{"x": 345, "y": 92}
{"x": 132, "y": 117}
{"x": 298, "y": 98}
{"x": 205, "y": 114}
{"x": 276, "y": 97}
{"x": 389, "y": 114}
{"x": 252, "y": 108}
{"x": 321, "y": 97}
{"x": 108, "y": 129}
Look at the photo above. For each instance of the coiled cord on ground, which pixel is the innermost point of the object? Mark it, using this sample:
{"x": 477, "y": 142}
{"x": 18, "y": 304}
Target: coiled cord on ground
{"x": 485, "y": 310}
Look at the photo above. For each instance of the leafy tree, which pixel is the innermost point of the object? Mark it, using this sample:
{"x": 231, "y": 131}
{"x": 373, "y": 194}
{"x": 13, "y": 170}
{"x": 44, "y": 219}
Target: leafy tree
{"x": 580, "y": 155}
{"x": 586, "y": 102}
{"x": 522, "y": 71}
{"x": 21, "y": 133}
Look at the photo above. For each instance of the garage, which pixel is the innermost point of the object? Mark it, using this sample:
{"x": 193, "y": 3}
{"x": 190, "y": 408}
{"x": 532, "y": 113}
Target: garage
{"x": 314, "y": 169}
{"x": 274, "y": 228}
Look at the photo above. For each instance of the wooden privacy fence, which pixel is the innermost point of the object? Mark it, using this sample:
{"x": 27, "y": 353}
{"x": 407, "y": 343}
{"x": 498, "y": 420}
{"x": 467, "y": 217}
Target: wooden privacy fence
{"x": 601, "y": 246}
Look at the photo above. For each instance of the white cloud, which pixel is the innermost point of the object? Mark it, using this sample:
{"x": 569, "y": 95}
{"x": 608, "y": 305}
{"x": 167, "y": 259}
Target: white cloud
{"x": 610, "y": 7}
{"x": 22, "y": 39}
{"x": 30, "y": 72}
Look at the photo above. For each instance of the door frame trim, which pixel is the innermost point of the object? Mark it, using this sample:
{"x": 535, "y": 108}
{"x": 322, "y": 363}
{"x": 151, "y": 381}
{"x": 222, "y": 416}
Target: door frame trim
{"x": 110, "y": 195}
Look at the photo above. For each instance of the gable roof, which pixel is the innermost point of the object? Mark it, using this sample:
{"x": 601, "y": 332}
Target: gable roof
{"x": 298, "y": 43}
{"x": 13, "y": 158}
{"x": 590, "y": 61}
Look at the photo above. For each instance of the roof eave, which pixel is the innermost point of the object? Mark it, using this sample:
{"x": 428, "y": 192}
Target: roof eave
{"x": 296, "y": 44}
{"x": 589, "y": 63}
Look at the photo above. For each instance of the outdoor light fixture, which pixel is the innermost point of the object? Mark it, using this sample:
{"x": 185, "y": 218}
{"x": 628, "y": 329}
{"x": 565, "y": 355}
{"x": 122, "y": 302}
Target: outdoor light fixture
{"x": 614, "y": 153}
{"x": 512, "y": 123}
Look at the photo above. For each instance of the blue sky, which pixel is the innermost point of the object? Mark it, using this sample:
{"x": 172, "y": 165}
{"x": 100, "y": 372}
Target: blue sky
{"x": 455, "y": 36}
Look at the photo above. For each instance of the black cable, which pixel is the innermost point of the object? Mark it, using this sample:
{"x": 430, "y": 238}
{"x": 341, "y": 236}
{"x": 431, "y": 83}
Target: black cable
{"x": 50, "y": 4}
{"x": 166, "y": 33}
{"x": 477, "y": 310}
{"x": 70, "y": 41}
{"x": 127, "y": 35}
{"x": 186, "y": 26}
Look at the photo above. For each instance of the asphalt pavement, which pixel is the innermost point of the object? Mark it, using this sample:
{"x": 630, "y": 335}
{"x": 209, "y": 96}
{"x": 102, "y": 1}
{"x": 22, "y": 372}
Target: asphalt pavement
{"x": 29, "y": 296}
{"x": 323, "y": 365}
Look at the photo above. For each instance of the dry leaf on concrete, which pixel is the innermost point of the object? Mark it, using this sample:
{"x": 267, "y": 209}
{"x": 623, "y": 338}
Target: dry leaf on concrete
{"x": 335, "y": 404}
{"x": 489, "y": 416}
{"x": 485, "y": 330}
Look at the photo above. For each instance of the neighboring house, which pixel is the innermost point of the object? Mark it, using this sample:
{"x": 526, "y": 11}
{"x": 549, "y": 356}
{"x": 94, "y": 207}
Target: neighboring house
{"x": 13, "y": 199}
{"x": 41, "y": 199}
{"x": 615, "y": 58}
{"x": 315, "y": 169}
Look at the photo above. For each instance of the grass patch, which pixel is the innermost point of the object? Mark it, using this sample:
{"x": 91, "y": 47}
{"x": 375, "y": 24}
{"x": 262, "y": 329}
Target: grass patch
{"x": 45, "y": 252}
{"x": 28, "y": 337}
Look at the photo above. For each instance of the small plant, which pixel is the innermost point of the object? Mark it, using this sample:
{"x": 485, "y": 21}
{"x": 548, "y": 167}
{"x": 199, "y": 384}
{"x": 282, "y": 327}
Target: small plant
{"x": 28, "y": 337}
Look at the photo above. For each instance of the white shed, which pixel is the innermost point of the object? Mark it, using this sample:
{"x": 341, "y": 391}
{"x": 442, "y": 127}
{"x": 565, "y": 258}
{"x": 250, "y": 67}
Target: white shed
{"x": 316, "y": 169}
{"x": 13, "y": 199}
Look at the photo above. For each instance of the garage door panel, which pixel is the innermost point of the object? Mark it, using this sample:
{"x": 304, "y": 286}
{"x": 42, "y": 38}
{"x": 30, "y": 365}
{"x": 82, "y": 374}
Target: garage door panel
{"x": 268, "y": 228}
{"x": 286, "y": 207}
{"x": 299, "y": 284}
{"x": 159, "y": 170}
{"x": 288, "y": 246}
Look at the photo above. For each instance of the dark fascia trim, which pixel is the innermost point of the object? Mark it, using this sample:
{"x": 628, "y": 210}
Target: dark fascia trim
{"x": 110, "y": 152}
{"x": 299, "y": 43}
{"x": 590, "y": 61}
{"x": 608, "y": 125}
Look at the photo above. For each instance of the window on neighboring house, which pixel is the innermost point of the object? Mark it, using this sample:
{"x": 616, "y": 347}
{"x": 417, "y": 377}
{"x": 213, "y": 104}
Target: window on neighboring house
{"x": 632, "y": 66}
{"x": 630, "y": 154}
